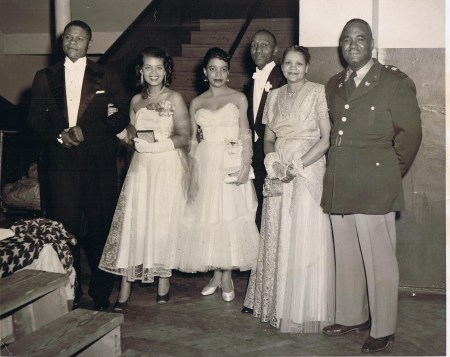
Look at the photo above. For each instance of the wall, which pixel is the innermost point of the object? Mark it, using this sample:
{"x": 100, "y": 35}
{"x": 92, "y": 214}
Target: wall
{"x": 410, "y": 35}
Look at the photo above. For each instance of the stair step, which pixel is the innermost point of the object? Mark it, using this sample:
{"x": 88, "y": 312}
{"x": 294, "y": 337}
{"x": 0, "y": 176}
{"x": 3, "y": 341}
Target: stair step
{"x": 72, "y": 333}
{"x": 224, "y": 38}
{"x": 195, "y": 65}
{"x": 188, "y": 80}
{"x": 26, "y": 286}
{"x": 256, "y": 24}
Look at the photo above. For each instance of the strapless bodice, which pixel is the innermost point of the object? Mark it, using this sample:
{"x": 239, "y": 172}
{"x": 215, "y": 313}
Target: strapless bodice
{"x": 220, "y": 124}
{"x": 151, "y": 119}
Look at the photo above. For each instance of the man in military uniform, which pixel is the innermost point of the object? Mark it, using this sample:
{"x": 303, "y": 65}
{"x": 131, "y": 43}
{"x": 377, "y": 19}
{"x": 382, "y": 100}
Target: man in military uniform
{"x": 376, "y": 133}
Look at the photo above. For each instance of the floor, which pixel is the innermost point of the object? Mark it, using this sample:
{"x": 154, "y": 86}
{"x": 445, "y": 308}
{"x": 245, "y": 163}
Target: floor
{"x": 191, "y": 325}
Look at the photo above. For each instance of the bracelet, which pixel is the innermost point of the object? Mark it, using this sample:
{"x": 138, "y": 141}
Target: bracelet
{"x": 59, "y": 139}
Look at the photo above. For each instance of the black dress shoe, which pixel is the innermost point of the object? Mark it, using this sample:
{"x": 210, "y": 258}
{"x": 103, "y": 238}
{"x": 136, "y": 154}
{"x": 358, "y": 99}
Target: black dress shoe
{"x": 377, "y": 344}
{"x": 339, "y": 330}
{"x": 101, "y": 305}
{"x": 247, "y": 310}
{"x": 162, "y": 299}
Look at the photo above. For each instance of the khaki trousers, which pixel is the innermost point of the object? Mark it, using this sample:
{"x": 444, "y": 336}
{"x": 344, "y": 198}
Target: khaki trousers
{"x": 366, "y": 271}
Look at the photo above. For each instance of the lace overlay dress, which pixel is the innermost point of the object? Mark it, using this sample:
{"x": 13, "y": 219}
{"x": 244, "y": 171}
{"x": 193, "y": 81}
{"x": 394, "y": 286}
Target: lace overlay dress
{"x": 140, "y": 244}
{"x": 292, "y": 287}
{"x": 218, "y": 229}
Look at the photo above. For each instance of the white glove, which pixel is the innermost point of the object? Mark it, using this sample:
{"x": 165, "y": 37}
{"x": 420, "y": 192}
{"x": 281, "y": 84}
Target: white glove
{"x": 274, "y": 167}
{"x": 142, "y": 146}
{"x": 296, "y": 167}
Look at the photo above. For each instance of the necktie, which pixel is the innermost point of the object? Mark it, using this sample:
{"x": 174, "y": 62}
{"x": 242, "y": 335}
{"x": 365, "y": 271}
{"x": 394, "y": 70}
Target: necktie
{"x": 350, "y": 83}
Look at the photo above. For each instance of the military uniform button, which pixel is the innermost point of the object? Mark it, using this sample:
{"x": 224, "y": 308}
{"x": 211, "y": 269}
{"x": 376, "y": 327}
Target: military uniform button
{"x": 346, "y": 106}
{"x": 344, "y": 119}
{"x": 378, "y": 164}
{"x": 372, "y": 108}
{"x": 340, "y": 132}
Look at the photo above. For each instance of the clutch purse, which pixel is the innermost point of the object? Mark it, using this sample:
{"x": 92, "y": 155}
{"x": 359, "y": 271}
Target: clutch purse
{"x": 272, "y": 187}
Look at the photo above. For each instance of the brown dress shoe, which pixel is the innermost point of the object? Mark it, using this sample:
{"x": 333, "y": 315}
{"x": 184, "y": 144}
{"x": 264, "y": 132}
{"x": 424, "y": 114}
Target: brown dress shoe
{"x": 338, "y": 329}
{"x": 377, "y": 344}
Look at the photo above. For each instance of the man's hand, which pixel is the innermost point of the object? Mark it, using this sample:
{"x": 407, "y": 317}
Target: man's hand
{"x": 76, "y": 134}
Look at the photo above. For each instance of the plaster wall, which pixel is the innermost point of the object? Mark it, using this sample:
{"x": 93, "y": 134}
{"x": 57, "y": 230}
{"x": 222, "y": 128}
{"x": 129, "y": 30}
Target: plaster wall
{"x": 421, "y": 243}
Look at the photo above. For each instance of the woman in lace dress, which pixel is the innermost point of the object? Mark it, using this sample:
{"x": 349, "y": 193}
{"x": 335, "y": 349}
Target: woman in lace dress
{"x": 292, "y": 286}
{"x": 153, "y": 195}
{"x": 219, "y": 230}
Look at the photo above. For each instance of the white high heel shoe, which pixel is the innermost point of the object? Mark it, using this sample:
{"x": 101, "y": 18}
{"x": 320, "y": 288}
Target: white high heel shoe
{"x": 229, "y": 296}
{"x": 209, "y": 290}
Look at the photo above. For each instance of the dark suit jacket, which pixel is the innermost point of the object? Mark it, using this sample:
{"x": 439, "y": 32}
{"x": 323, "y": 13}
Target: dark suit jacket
{"x": 276, "y": 79}
{"x": 375, "y": 136}
{"x": 48, "y": 117}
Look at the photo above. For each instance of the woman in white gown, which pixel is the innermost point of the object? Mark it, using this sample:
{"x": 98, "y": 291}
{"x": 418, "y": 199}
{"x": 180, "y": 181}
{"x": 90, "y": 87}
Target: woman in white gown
{"x": 292, "y": 286}
{"x": 218, "y": 231}
{"x": 153, "y": 196}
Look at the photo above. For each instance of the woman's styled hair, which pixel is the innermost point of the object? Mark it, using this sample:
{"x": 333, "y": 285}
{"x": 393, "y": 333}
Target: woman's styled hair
{"x": 216, "y": 52}
{"x": 156, "y": 53}
{"x": 300, "y": 49}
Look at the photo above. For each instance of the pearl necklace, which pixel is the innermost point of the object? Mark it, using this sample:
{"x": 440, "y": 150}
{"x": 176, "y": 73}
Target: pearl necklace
{"x": 154, "y": 95}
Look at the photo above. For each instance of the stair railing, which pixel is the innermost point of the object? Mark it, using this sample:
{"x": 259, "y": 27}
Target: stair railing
{"x": 154, "y": 6}
{"x": 244, "y": 27}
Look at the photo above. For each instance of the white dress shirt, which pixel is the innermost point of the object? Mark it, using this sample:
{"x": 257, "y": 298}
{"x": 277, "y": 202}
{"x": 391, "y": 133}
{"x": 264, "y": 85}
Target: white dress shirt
{"x": 74, "y": 74}
{"x": 260, "y": 77}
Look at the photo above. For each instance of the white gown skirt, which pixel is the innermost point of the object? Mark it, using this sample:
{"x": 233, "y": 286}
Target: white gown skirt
{"x": 218, "y": 230}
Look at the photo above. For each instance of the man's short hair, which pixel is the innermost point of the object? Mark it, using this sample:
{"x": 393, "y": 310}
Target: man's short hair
{"x": 81, "y": 24}
{"x": 267, "y": 32}
{"x": 361, "y": 21}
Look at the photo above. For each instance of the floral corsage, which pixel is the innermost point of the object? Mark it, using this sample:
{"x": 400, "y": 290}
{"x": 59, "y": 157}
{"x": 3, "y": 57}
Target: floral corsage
{"x": 164, "y": 108}
{"x": 268, "y": 87}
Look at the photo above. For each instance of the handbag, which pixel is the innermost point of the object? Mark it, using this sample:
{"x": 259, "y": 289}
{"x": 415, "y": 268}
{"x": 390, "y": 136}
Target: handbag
{"x": 272, "y": 187}
{"x": 232, "y": 161}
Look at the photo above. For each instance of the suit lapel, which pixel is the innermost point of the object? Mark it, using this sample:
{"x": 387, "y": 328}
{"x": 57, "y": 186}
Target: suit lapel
{"x": 91, "y": 83}
{"x": 56, "y": 83}
{"x": 341, "y": 91}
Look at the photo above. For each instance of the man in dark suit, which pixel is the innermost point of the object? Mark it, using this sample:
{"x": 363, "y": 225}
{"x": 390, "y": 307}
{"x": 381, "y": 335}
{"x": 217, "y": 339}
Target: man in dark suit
{"x": 375, "y": 135}
{"x": 69, "y": 111}
{"x": 267, "y": 76}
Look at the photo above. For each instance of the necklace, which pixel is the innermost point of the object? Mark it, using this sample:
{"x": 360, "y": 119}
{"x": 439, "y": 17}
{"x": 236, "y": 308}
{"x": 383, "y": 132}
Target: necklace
{"x": 291, "y": 93}
{"x": 154, "y": 95}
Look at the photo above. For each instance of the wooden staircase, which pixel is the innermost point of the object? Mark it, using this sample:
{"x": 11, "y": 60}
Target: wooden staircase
{"x": 222, "y": 33}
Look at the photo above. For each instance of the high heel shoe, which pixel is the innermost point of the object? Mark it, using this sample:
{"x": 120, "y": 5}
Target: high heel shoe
{"x": 209, "y": 290}
{"x": 229, "y": 296}
{"x": 120, "y": 306}
{"x": 162, "y": 299}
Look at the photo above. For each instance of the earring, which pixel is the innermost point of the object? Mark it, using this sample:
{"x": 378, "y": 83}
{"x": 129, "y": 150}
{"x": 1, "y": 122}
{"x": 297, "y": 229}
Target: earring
{"x": 142, "y": 79}
{"x": 228, "y": 80}
{"x": 205, "y": 79}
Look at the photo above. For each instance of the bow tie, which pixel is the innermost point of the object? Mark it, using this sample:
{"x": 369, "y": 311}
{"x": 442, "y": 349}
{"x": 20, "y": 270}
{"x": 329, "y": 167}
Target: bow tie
{"x": 257, "y": 74}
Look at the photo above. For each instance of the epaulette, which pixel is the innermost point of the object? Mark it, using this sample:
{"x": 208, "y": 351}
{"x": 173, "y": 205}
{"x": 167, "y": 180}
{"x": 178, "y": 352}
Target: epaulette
{"x": 393, "y": 70}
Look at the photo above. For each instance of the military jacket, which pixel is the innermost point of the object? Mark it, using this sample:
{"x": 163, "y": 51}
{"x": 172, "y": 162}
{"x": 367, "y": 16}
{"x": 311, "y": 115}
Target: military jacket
{"x": 375, "y": 135}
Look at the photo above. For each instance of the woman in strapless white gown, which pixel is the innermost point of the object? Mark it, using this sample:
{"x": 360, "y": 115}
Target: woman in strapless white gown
{"x": 140, "y": 245}
{"x": 218, "y": 230}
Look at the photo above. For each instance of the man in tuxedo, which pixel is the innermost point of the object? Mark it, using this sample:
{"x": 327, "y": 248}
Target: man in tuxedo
{"x": 69, "y": 111}
{"x": 375, "y": 135}
{"x": 267, "y": 76}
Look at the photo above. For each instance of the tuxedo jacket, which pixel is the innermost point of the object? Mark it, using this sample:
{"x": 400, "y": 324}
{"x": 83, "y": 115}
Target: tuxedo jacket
{"x": 375, "y": 135}
{"x": 48, "y": 117}
{"x": 276, "y": 79}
